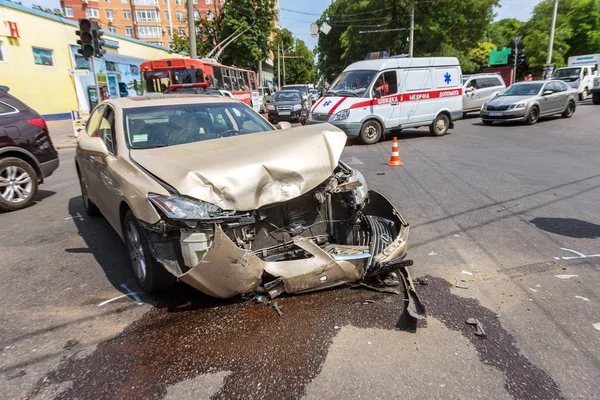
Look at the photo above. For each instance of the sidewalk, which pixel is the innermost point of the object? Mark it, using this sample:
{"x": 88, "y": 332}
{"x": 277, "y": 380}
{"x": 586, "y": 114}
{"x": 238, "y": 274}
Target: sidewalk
{"x": 61, "y": 133}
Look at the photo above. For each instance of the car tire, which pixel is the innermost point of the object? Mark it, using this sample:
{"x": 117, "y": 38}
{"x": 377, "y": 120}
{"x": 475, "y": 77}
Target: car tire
{"x": 596, "y": 98}
{"x": 90, "y": 208}
{"x": 17, "y": 177}
{"x": 371, "y": 132}
{"x": 568, "y": 113}
{"x": 584, "y": 94}
{"x": 532, "y": 116}
{"x": 150, "y": 275}
{"x": 487, "y": 122}
{"x": 440, "y": 125}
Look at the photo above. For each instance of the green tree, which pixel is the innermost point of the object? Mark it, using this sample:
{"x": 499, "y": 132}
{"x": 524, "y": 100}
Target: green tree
{"x": 536, "y": 34}
{"x": 442, "y": 27}
{"x": 479, "y": 57}
{"x": 584, "y": 20}
{"x": 501, "y": 32}
{"x": 299, "y": 60}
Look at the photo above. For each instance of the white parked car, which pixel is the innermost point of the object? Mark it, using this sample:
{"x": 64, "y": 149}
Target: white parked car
{"x": 478, "y": 89}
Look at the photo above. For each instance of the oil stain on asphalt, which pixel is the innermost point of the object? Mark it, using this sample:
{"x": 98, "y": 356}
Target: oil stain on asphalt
{"x": 271, "y": 356}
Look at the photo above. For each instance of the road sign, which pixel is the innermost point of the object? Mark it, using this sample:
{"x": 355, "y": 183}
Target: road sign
{"x": 325, "y": 28}
{"x": 499, "y": 57}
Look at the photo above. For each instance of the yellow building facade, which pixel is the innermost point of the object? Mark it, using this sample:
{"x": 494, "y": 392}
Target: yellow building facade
{"x": 40, "y": 65}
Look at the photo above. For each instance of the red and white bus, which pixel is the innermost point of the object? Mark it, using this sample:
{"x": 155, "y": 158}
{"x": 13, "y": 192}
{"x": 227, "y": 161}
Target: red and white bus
{"x": 159, "y": 75}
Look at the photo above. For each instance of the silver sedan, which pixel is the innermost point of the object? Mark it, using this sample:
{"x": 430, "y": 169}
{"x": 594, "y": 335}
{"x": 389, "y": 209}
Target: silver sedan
{"x": 528, "y": 101}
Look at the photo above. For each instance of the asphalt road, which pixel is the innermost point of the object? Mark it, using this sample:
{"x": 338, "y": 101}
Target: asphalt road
{"x": 506, "y": 208}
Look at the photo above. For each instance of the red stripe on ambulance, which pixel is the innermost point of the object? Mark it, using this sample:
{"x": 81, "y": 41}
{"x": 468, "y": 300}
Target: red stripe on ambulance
{"x": 336, "y": 105}
{"x": 317, "y": 104}
{"x": 435, "y": 94}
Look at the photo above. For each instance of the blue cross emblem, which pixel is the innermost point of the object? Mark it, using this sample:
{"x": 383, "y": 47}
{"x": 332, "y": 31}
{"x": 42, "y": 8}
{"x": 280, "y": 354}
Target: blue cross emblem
{"x": 328, "y": 102}
{"x": 447, "y": 78}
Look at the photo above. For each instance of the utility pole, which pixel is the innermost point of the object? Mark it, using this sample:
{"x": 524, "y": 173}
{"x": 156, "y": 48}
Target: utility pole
{"x": 278, "y": 68}
{"x": 551, "y": 44}
{"x": 191, "y": 29}
{"x": 412, "y": 30}
{"x": 283, "y": 57}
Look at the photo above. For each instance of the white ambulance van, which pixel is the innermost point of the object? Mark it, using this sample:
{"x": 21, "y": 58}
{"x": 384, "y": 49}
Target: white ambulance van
{"x": 372, "y": 97}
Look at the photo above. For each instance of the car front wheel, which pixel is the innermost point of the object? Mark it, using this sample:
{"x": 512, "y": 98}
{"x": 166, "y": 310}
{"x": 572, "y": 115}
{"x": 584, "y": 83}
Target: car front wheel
{"x": 440, "y": 125}
{"x": 151, "y": 276}
{"x": 18, "y": 184}
{"x": 371, "y": 132}
{"x": 532, "y": 116}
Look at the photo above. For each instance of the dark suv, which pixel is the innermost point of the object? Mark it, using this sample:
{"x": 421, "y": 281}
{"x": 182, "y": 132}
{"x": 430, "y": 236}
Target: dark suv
{"x": 27, "y": 156}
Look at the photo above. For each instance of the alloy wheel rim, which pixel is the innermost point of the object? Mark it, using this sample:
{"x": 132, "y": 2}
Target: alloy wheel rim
{"x": 371, "y": 132}
{"x": 15, "y": 184}
{"x": 533, "y": 115}
{"x": 136, "y": 251}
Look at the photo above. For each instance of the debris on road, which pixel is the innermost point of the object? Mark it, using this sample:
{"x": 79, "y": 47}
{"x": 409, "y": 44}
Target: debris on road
{"x": 480, "y": 331}
{"x": 462, "y": 284}
{"x": 582, "y": 298}
{"x": 277, "y": 309}
{"x": 368, "y": 302}
{"x": 433, "y": 253}
{"x": 565, "y": 276}
{"x": 533, "y": 290}
{"x": 467, "y": 272}
{"x": 597, "y": 326}
{"x": 421, "y": 281}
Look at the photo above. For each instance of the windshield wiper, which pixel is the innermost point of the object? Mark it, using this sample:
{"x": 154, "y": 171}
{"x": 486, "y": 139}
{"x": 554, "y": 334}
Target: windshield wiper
{"x": 154, "y": 146}
{"x": 347, "y": 93}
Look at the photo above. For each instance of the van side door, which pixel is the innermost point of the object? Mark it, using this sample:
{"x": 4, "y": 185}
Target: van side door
{"x": 416, "y": 84}
{"x": 387, "y": 106}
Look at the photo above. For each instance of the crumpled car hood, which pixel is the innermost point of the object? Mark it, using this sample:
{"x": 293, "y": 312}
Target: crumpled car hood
{"x": 247, "y": 172}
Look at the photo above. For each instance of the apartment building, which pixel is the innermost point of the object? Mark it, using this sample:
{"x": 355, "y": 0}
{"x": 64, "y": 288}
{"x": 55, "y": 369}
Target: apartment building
{"x": 152, "y": 21}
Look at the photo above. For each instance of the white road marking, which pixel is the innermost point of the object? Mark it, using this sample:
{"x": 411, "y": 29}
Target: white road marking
{"x": 129, "y": 293}
{"x": 579, "y": 255}
{"x": 76, "y": 216}
{"x": 565, "y": 276}
{"x": 582, "y": 298}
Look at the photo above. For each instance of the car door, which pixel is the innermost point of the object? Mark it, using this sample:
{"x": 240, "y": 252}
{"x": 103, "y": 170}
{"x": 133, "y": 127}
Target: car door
{"x": 387, "y": 107}
{"x": 551, "y": 101}
{"x": 563, "y": 96}
{"x": 109, "y": 187}
{"x": 86, "y": 161}
{"x": 471, "y": 95}
{"x": 416, "y": 84}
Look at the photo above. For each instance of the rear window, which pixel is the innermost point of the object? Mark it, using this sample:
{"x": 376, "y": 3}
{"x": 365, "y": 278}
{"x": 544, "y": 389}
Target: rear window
{"x": 160, "y": 126}
{"x": 6, "y": 109}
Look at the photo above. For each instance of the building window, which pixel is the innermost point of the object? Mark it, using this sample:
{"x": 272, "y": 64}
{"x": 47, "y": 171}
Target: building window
{"x": 180, "y": 16}
{"x": 169, "y": 31}
{"x": 195, "y": 1}
{"x": 108, "y": 1}
{"x": 165, "y": 2}
{"x": 170, "y": 45}
{"x": 43, "y": 57}
{"x": 129, "y": 31}
{"x": 149, "y": 31}
{"x": 126, "y": 14}
{"x": 110, "y": 15}
{"x": 209, "y": 1}
{"x": 145, "y": 2}
{"x": 147, "y": 16}
{"x": 167, "y": 16}
{"x": 209, "y": 15}
{"x": 1, "y": 51}
{"x": 181, "y": 31}
{"x": 124, "y": 1}
{"x": 68, "y": 12}
{"x": 92, "y": 13}
{"x": 112, "y": 29}
{"x": 196, "y": 15}
{"x": 178, "y": 2}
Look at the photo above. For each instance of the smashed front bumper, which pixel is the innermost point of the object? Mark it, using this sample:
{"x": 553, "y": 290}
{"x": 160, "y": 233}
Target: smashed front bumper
{"x": 331, "y": 236}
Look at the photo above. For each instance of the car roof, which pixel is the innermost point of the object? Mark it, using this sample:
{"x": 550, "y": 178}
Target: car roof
{"x": 289, "y": 90}
{"x": 484, "y": 75}
{"x": 159, "y": 99}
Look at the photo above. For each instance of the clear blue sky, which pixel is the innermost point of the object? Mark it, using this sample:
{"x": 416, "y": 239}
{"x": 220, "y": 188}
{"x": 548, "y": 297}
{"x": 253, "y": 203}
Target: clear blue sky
{"x": 299, "y": 23}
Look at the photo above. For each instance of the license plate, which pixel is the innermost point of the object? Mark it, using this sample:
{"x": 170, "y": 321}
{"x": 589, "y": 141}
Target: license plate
{"x": 284, "y": 112}
{"x": 495, "y": 114}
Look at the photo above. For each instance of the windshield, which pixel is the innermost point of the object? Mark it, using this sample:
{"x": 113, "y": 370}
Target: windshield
{"x": 523, "y": 89}
{"x": 171, "y": 125}
{"x": 563, "y": 73}
{"x": 302, "y": 89}
{"x": 286, "y": 96}
{"x": 352, "y": 83}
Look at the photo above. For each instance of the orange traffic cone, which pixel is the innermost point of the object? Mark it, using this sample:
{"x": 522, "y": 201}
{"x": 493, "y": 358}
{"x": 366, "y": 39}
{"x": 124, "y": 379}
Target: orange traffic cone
{"x": 395, "y": 159}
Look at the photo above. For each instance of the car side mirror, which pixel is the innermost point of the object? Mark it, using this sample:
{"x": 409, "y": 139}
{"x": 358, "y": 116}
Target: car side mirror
{"x": 547, "y": 92}
{"x": 283, "y": 125}
{"x": 377, "y": 94}
{"x": 468, "y": 90}
{"x": 94, "y": 146}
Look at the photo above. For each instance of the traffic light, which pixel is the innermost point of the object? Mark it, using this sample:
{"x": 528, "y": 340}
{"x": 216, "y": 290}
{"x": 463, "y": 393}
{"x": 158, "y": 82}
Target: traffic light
{"x": 86, "y": 38}
{"x": 521, "y": 57}
{"x": 98, "y": 41}
{"x": 511, "y": 58}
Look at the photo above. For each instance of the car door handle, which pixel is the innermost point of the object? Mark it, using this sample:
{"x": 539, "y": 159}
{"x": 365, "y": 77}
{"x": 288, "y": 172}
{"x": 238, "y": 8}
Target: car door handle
{"x": 395, "y": 104}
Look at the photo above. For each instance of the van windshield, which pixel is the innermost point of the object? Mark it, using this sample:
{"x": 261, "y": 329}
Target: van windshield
{"x": 352, "y": 83}
{"x": 567, "y": 73}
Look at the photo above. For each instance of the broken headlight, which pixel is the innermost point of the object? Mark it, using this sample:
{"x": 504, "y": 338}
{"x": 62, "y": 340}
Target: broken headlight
{"x": 179, "y": 207}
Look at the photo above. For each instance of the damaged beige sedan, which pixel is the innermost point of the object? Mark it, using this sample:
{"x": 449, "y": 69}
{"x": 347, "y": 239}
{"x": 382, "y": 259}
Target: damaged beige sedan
{"x": 203, "y": 190}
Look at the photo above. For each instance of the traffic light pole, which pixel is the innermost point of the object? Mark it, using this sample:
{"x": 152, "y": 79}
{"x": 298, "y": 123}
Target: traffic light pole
{"x": 98, "y": 95}
{"x": 516, "y": 40}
